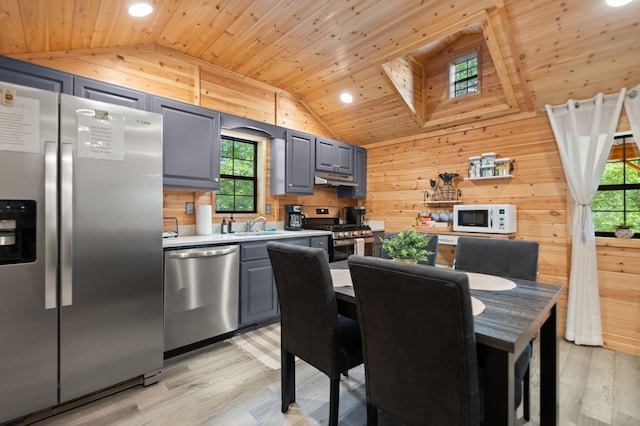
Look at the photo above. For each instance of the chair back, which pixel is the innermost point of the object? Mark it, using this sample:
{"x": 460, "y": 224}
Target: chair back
{"x": 308, "y": 308}
{"x": 418, "y": 341}
{"x": 432, "y": 246}
{"x": 497, "y": 256}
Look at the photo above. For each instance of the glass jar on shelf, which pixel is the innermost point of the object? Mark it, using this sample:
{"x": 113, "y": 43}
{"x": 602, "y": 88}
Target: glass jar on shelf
{"x": 488, "y": 159}
{"x": 474, "y": 166}
{"x": 502, "y": 167}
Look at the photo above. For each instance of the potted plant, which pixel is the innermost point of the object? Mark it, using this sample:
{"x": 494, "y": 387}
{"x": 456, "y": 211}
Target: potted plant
{"x": 408, "y": 245}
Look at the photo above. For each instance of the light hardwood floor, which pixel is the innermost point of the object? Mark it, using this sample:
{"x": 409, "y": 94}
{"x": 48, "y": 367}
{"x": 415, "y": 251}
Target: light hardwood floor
{"x": 222, "y": 385}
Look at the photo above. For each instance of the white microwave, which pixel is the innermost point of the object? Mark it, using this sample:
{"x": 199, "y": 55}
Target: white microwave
{"x": 488, "y": 218}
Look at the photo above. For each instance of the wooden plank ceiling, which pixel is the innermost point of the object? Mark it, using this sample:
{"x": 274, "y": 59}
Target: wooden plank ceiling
{"x": 391, "y": 55}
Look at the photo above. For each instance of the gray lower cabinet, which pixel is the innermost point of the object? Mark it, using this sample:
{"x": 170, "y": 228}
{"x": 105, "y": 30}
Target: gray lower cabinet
{"x": 191, "y": 145}
{"x": 321, "y": 242}
{"x": 258, "y": 294}
{"x": 110, "y": 93}
{"x": 376, "y": 246}
{"x": 292, "y": 164}
{"x": 359, "y": 176}
{"x": 32, "y": 75}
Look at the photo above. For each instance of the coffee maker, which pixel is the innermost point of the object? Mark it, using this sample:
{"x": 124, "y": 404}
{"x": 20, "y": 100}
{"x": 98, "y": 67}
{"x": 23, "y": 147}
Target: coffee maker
{"x": 353, "y": 215}
{"x": 294, "y": 217}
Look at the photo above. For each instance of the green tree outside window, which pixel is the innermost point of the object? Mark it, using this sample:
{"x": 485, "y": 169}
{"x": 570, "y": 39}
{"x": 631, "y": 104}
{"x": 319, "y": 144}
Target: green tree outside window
{"x": 238, "y": 181}
{"x": 617, "y": 202}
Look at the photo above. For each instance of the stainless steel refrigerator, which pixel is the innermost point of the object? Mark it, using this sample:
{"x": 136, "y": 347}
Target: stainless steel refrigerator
{"x": 81, "y": 293}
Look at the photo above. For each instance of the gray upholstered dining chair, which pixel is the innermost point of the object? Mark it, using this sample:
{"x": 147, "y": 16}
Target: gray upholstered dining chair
{"x": 432, "y": 246}
{"x": 419, "y": 342}
{"x": 498, "y": 256}
{"x": 310, "y": 325}
{"x": 510, "y": 259}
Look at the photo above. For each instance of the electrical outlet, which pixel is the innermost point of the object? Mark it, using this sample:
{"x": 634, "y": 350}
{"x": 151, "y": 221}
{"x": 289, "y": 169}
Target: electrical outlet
{"x": 189, "y": 207}
{"x": 267, "y": 209}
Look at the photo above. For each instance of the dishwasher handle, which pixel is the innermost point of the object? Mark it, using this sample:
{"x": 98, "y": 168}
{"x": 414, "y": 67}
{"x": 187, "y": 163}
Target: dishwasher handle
{"x": 202, "y": 253}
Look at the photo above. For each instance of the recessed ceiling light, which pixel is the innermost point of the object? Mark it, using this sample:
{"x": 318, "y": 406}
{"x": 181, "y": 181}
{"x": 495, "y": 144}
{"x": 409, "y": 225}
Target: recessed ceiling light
{"x": 618, "y": 3}
{"x": 346, "y": 97}
{"x": 139, "y": 10}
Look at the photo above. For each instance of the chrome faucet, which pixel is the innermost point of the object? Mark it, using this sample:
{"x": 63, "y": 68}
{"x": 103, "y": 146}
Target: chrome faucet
{"x": 250, "y": 222}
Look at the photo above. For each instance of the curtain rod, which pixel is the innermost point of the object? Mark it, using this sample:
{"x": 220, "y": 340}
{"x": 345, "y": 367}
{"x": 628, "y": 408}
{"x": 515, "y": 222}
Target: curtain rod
{"x": 630, "y": 94}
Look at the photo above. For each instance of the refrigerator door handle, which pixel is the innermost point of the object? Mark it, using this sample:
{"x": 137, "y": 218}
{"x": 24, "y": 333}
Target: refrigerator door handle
{"x": 50, "y": 223}
{"x": 66, "y": 223}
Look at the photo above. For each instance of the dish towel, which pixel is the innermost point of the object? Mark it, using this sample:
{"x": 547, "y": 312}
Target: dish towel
{"x": 359, "y": 247}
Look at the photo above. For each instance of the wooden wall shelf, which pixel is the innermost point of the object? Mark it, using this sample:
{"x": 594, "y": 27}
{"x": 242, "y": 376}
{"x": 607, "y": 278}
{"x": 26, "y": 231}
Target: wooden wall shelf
{"x": 442, "y": 202}
{"x": 489, "y": 177}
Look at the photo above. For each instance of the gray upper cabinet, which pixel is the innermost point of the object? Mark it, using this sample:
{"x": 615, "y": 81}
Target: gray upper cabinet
{"x": 359, "y": 176}
{"x": 292, "y": 164}
{"x": 334, "y": 156}
{"x": 31, "y": 75}
{"x": 110, "y": 93}
{"x": 191, "y": 145}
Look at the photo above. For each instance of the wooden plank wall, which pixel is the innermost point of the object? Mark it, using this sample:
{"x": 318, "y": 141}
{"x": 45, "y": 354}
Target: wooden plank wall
{"x": 440, "y": 107}
{"x": 398, "y": 170}
{"x": 619, "y": 279}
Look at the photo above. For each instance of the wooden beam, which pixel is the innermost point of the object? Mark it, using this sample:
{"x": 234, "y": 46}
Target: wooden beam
{"x": 498, "y": 61}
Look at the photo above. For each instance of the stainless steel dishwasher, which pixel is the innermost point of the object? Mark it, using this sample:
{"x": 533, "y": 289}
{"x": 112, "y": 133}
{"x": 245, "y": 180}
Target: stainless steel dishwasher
{"x": 200, "y": 294}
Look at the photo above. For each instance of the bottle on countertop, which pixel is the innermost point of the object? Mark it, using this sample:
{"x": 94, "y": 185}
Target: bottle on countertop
{"x": 231, "y": 222}
{"x": 223, "y": 226}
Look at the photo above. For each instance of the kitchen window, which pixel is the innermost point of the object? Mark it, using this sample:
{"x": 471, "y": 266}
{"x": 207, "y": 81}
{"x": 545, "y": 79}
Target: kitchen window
{"x": 463, "y": 75}
{"x": 617, "y": 202}
{"x": 238, "y": 176}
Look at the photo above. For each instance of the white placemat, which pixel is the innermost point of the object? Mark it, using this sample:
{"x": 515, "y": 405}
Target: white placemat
{"x": 342, "y": 278}
{"x": 477, "y": 307}
{"x": 489, "y": 282}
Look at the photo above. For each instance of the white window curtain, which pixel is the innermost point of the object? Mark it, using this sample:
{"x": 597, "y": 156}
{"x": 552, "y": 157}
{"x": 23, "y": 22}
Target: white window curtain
{"x": 584, "y": 134}
{"x": 632, "y": 108}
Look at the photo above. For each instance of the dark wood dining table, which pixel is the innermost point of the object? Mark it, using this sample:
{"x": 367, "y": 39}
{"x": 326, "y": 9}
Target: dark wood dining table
{"x": 511, "y": 319}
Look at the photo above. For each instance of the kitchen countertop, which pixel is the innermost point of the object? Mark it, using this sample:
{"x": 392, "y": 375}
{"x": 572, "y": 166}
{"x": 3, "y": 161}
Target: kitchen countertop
{"x": 238, "y": 237}
{"x": 376, "y": 225}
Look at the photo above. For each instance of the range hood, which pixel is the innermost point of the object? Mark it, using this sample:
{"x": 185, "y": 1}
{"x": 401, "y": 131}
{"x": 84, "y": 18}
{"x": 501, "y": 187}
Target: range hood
{"x": 333, "y": 179}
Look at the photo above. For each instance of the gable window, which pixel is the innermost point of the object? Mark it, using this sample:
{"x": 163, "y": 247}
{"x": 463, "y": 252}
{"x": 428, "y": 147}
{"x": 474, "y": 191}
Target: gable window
{"x": 238, "y": 176}
{"x": 617, "y": 201}
{"x": 463, "y": 75}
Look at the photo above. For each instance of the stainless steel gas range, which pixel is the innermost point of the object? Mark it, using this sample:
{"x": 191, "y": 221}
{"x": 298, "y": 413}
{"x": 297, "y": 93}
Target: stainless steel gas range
{"x": 346, "y": 239}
